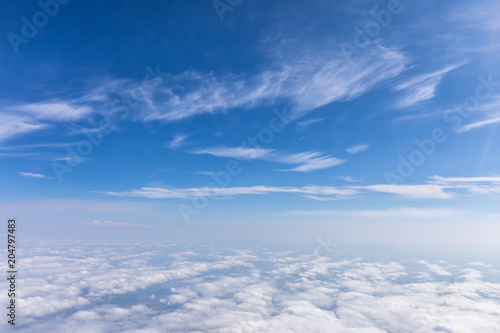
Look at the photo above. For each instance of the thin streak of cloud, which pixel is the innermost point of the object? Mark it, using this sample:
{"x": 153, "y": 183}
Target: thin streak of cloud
{"x": 306, "y": 123}
{"x": 358, "y": 148}
{"x": 31, "y": 175}
{"x": 178, "y": 141}
{"x": 241, "y": 153}
{"x": 98, "y": 223}
{"x": 477, "y": 124}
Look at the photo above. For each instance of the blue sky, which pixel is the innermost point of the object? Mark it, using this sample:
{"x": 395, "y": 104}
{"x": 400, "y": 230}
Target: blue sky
{"x": 374, "y": 121}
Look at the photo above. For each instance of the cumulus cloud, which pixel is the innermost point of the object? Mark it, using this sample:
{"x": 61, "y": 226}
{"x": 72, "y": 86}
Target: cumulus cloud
{"x": 245, "y": 290}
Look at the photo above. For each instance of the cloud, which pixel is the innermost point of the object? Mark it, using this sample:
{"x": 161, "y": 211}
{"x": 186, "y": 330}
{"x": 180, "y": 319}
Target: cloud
{"x": 178, "y": 141}
{"x": 306, "y": 123}
{"x": 438, "y": 188}
{"x": 12, "y": 126}
{"x": 433, "y": 268}
{"x": 97, "y": 223}
{"x": 240, "y": 153}
{"x": 307, "y": 161}
{"x": 310, "y": 76}
{"x": 243, "y": 290}
{"x": 425, "y": 191}
{"x": 475, "y": 185}
{"x": 350, "y": 179}
{"x": 31, "y": 175}
{"x": 357, "y": 148}
{"x": 477, "y": 124}
{"x": 421, "y": 87}
{"x": 451, "y": 180}
{"x": 55, "y": 111}
{"x": 18, "y": 119}
{"x": 303, "y": 74}
{"x": 167, "y": 193}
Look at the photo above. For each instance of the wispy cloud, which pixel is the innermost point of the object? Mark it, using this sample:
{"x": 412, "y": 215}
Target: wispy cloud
{"x": 448, "y": 180}
{"x": 171, "y": 193}
{"x": 241, "y": 153}
{"x": 422, "y": 87}
{"x": 307, "y": 77}
{"x": 31, "y": 175}
{"x": 350, "y": 179}
{"x": 18, "y": 119}
{"x": 98, "y": 223}
{"x": 306, "y": 123}
{"x": 475, "y": 185}
{"x": 437, "y": 188}
{"x": 307, "y": 161}
{"x": 14, "y": 125}
{"x": 52, "y": 111}
{"x": 36, "y": 156}
{"x": 178, "y": 141}
{"x": 477, "y": 124}
{"x": 358, "y": 148}
{"x": 424, "y": 191}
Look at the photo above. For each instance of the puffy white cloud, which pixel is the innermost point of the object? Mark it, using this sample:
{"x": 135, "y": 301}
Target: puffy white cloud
{"x": 206, "y": 289}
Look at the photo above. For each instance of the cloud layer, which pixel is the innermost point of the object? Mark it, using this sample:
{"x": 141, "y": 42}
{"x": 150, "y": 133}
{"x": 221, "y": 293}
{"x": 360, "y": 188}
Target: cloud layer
{"x": 116, "y": 287}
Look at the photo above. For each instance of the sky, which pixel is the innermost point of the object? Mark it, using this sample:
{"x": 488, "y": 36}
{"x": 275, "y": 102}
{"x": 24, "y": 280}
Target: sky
{"x": 374, "y": 122}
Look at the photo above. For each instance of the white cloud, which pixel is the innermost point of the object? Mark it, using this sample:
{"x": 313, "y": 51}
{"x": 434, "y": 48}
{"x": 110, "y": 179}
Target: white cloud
{"x": 422, "y": 87}
{"x": 241, "y": 153}
{"x": 306, "y": 123}
{"x": 31, "y": 175}
{"x": 439, "y": 188}
{"x": 166, "y": 193}
{"x": 357, "y": 148}
{"x": 12, "y": 125}
{"x": 475, "y": 185}
{"x": 350, "y": 179}
{"x": 449, "y": 180}
{"x": 307, "y": 161}
{"x": 21, "y": 119}
{"x": 477, "y": 124}
{"x": 178, "y": 141}
{"x": 98, "y": 223}
{"x": 309, "y": 77}
{"x": 246, "y": 291}
{"x": 425, "y": 191}
{"x": 56, "y": 111}
{"x": 433, "y": 268}
{"x": 305, "y": 76}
